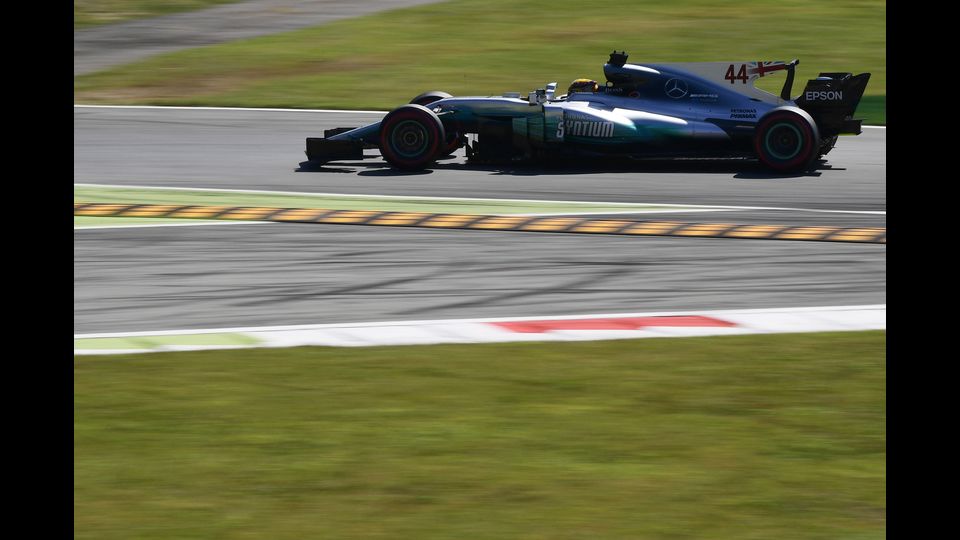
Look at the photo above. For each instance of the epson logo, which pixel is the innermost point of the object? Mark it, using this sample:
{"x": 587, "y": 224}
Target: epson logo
{"x": 832, "y": 95}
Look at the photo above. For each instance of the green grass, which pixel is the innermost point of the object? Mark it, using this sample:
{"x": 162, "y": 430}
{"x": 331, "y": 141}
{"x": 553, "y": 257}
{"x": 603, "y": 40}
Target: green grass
{"x": 99, "y": 221}
{"x": 152, "y": 342}
{"x": 87, "y": 13}
{"x": 739, "y": 437}
{"x": 480, "y": 47}
{"x": 873, "y": 110}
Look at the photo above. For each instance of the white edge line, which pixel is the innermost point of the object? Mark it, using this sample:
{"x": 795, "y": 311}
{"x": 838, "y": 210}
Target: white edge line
{"x": 179, "y": 107}
{"x": 395, "y": 197}
{"x": 482, "y": 320}
{"x": 625, "y": 212}
{"x": 425, "y": 198}
{"x": 184, "y": 348}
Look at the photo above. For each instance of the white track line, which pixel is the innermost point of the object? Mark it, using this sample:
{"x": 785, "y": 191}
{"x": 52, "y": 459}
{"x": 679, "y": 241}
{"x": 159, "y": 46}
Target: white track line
{"x": 628, "y": 212}
{"x": 731, "y": 322}
{"x": 471, "y": 199}
{"x": 480, "y": 320}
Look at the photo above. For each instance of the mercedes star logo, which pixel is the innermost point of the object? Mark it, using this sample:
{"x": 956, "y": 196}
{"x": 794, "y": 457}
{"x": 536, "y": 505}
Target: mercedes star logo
{"x": 676, "y": 88}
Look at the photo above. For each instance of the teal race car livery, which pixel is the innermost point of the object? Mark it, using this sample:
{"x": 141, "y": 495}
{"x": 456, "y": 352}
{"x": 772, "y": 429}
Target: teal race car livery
{"x": 708, "y": 109}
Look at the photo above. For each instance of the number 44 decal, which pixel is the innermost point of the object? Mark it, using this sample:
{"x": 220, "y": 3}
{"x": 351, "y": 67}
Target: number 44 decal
{"x": 740, "y": 76}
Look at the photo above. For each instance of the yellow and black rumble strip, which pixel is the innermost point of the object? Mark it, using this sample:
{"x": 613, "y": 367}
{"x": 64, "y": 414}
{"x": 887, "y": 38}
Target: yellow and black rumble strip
{"x": 870, "y": 235}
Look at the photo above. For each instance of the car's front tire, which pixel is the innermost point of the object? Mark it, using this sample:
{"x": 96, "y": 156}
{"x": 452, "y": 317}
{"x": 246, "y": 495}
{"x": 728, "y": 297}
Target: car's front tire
{"x": 453, "y": 140}
{"x": 411, "y": 136}
{"x": 787, "y": 140}
{"x": 427, "y": 98}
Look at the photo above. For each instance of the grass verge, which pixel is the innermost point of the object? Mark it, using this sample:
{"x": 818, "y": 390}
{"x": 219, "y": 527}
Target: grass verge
{"x": 474, "y": 47}
{"x": 740, "y": 437}
{"x": 873, "y": 110}
{"x": 81, "y": 222}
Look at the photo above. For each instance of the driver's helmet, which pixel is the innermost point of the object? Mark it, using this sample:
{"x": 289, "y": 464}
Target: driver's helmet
{"x": 583, "y": 85}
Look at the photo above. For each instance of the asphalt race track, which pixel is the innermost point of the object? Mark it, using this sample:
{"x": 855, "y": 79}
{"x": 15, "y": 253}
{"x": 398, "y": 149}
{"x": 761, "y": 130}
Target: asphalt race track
{"x": 106, "y": 46}
{"x": 271, "y": 274}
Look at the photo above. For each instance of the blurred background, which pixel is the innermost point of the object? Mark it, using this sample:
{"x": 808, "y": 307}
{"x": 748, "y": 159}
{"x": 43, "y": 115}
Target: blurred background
{"x": 363, "y": 57}
{"x": 739, "y": 437}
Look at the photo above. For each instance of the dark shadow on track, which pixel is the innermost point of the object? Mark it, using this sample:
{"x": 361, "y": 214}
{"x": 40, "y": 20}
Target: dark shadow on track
{"x": 387, "y": 171}
{"x": 739, "y": 168}
{"x": 759, "y": 173}
{"x": 312, "y": 166}
{"x": 766, "y": 175}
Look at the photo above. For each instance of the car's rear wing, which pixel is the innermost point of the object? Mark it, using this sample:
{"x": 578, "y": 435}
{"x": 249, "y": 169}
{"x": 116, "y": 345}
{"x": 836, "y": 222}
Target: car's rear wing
{"x": 831, "y": 99}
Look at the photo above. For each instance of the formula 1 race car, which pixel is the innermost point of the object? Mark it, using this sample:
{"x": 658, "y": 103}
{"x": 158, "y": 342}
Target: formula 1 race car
{"x": 709, "y": 109}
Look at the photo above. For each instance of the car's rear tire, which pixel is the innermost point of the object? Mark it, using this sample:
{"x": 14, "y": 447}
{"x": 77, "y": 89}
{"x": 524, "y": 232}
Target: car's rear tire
{"x": 411, "y": 136}
{"x": 787, "y": 140}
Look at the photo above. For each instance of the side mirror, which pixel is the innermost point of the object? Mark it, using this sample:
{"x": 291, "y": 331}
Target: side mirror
{"x": 537, "y": 97}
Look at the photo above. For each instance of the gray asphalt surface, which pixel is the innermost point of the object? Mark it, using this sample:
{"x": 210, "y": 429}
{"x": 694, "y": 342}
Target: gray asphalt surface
{"x": 272, "y": 274}
{"x": 107, "y": 46}
{"x": 263, "y": 150}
